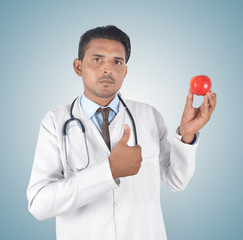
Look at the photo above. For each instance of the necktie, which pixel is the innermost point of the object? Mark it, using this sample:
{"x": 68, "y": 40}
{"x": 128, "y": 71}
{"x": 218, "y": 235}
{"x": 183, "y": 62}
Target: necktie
{"x": 105, "y": 129}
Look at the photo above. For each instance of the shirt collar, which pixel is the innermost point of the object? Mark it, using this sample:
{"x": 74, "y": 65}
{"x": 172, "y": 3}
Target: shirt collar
{"x": 91, "y": 107}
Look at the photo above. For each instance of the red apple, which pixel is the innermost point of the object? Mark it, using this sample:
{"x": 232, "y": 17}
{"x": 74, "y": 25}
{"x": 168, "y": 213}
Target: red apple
{"x": 200, "y": 85}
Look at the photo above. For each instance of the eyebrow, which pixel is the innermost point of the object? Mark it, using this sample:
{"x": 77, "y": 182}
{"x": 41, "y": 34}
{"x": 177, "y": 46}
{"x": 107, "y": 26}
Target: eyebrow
{"x": 98, "y": 55}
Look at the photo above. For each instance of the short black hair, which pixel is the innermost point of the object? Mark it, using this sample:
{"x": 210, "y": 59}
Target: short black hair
{"x": 110, "y": 32}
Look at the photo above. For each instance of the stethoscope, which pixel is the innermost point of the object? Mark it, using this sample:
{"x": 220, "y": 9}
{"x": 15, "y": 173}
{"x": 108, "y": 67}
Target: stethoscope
{"x": 72, "y": 118}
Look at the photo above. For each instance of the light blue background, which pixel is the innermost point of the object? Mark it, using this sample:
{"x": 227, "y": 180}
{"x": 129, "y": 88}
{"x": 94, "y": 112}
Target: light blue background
{"x": 171, "y": 42}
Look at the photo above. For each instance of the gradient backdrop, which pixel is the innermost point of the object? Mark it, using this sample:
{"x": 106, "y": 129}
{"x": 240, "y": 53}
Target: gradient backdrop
{"x": 171, "y": 42}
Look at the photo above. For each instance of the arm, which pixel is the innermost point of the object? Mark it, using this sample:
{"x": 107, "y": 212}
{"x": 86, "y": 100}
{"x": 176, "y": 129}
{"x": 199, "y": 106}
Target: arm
{"x": 49, "y": 193}
{"x": 177, "y": 160}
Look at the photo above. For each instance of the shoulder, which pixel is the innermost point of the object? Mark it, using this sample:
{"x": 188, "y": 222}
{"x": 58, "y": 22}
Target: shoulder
{"x": 149, "y": 121}
{"x": 55, "y": 114}
{"x": 142, "y": 108}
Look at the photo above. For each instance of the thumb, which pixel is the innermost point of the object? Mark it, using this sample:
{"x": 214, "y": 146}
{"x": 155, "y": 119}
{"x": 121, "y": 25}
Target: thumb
{"x": 126, "y": 134}
{"x": 189, "y": 99}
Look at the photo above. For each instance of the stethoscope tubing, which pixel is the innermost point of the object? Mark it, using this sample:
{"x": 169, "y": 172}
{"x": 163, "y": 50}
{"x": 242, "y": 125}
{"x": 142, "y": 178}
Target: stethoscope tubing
{"x": 72, "y": 118}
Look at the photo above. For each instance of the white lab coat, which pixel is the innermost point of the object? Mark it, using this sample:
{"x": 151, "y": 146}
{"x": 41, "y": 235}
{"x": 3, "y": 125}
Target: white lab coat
{"x": 90, "y": 204}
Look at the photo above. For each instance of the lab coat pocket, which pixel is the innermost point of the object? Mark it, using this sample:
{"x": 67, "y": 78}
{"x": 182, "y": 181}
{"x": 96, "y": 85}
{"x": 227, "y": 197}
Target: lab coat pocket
{"x": 147, "y": 180}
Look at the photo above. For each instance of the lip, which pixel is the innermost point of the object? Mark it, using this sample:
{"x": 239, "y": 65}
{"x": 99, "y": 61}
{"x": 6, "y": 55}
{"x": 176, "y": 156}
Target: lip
{"x": 106, "y": 81}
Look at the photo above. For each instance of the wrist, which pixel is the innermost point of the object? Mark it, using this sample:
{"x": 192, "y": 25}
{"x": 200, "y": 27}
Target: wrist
{"x": 113, "y": 172}
{"x": 186, "y": 137}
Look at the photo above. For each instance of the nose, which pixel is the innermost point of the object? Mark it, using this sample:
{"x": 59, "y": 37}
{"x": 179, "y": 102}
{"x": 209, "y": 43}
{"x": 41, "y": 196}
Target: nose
{"x": 107, "y": 68}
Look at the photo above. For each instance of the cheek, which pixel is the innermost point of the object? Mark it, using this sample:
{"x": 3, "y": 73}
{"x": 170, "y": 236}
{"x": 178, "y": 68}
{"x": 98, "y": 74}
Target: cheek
{"x": 123, "y": 74}
{"x": 88, "y": 74}
{"x": 88, "y": 78}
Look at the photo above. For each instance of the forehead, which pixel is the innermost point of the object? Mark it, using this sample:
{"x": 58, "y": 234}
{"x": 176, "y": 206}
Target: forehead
{"x": 102, "y": 46}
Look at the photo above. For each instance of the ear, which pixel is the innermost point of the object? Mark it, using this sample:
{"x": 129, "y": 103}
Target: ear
{"x": 77, "y": 65}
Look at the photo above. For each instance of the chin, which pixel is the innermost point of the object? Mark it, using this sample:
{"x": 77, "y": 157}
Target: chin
{"x": 106, "y": 94}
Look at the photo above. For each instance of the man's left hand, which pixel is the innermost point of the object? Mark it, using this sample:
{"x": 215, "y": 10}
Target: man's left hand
{"x": 193, "y": 119}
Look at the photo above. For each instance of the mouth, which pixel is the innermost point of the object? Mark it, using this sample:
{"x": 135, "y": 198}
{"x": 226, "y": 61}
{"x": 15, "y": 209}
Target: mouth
{"x": 106, "y": 81}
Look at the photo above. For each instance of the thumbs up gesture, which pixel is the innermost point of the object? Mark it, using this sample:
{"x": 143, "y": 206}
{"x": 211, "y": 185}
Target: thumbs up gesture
{"x": 125, "y": 160}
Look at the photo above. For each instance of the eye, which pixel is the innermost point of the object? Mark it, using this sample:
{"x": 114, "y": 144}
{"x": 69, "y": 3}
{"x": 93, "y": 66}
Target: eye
{"x": 97, "y": 59}
{"x": 118, "y": 62}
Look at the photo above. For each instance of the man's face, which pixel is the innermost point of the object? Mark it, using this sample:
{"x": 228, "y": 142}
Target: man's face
{"x": 103, "y": 69}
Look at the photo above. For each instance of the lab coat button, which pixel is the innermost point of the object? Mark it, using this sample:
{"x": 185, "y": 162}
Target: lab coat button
{"x": 117, "y": 205}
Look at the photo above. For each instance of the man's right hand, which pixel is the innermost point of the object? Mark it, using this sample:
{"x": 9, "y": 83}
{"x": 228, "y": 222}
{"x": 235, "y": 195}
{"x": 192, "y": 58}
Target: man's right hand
{"x": 125, "y": 160}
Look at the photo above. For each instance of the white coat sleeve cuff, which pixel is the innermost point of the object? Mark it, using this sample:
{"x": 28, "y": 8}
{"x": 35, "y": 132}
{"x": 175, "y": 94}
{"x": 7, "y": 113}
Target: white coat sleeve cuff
{"x": 179, "y": 137}
{"x": 184, "y": 153}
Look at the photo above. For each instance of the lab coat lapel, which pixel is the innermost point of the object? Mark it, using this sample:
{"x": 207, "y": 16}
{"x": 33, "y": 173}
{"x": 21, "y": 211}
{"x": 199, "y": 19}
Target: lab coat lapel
{"x": 116, "y": 127}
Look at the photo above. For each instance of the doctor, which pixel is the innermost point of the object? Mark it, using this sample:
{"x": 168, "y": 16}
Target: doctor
{"x": 101, "y": 184}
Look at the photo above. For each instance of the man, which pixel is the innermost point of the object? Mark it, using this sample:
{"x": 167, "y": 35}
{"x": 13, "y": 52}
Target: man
{"x": 100, "y": 185}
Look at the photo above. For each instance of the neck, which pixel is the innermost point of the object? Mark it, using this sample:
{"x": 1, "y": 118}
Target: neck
{"x": 99, "y": 100}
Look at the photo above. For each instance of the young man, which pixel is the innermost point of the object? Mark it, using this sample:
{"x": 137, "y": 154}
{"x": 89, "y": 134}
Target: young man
{"x": 101, "y": 184}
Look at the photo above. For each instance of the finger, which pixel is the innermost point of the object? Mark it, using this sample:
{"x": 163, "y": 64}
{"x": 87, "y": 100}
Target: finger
{"x": 209, "y": 95}
{"x": 212, "y": 101}
{"x": 205, "y": 104}
{"x": 189, "y": 99}
{"x": 126, "y": 134}
{"x": 138, "y": 147}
